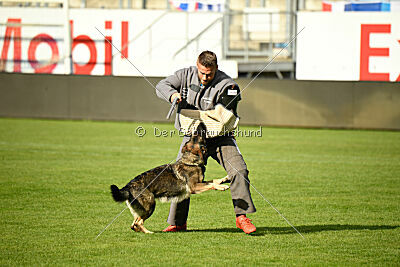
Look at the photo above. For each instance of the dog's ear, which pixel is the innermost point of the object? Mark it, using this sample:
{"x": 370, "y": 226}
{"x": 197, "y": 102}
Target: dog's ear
{"x": 202, "y": 130}
{"x": 185, "y": 147}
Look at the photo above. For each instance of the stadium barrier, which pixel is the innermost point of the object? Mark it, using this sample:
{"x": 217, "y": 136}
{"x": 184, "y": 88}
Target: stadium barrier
{"x": 320, "y": 104}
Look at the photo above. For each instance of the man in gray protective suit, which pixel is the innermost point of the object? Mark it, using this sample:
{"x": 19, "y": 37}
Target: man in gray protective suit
{"x": 206, "y": 87}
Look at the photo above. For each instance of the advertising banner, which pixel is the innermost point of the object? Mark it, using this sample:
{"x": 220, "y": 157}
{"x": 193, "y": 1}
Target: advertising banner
{"x": 350, "y": 46}
{"x": 108, "y": 42}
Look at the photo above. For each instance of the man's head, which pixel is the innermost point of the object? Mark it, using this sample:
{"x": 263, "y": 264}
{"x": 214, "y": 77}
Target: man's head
{"x": 207, "y": 66}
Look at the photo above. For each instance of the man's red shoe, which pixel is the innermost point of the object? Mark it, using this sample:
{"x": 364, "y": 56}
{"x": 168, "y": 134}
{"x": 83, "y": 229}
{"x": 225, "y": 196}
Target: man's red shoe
{"x": 244, "y": 223}
{"x": 175, "y": 228}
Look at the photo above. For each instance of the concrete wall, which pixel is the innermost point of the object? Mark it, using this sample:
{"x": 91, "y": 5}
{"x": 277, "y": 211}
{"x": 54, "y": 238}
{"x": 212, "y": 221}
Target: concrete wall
{"x": 371, "y": 105}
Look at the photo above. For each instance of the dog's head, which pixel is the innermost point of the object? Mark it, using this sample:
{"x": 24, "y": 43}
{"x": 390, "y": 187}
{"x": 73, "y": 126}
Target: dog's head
{"x": 193, "y": 152}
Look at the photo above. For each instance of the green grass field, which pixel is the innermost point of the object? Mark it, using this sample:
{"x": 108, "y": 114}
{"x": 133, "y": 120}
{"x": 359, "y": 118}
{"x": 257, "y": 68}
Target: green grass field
{"x": 341, "y": 189}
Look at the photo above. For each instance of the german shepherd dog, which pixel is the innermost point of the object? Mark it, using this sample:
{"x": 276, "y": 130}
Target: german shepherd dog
{"x": 169, "y": 182}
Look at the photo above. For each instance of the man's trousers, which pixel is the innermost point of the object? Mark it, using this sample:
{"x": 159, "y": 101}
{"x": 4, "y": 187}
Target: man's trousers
{"x": 225, "y": 151}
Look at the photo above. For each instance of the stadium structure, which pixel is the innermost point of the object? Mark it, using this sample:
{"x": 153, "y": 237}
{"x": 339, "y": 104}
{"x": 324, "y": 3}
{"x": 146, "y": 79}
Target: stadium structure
{"x": 252, "y": 31}
{"x": 326, "y": 61}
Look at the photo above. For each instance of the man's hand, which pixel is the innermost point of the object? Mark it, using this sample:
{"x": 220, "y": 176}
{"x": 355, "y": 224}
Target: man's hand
{"x": 175, "y": 95}
{"x": 175, "y": 99}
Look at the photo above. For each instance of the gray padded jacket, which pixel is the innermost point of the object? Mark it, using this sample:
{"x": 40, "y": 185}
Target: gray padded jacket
{"x": 222, "y": 89}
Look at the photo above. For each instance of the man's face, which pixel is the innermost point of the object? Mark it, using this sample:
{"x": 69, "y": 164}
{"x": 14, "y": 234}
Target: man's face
{"x": 206, "y": 75}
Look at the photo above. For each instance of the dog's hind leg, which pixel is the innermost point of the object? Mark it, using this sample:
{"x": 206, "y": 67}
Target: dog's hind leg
{"x": 141, "y": 209}
{"x": 148, "y": 205}
{"x": 141, "y": 227}
{"x": 136, "y": 217}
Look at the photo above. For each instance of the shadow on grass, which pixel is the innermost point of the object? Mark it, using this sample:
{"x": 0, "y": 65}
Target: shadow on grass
{"x": 304, "y": 229}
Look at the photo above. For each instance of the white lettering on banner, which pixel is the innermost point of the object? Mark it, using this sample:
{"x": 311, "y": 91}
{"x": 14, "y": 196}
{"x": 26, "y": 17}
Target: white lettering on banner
{"x": 151, "y": 45}
{"x": 360, "y": 46}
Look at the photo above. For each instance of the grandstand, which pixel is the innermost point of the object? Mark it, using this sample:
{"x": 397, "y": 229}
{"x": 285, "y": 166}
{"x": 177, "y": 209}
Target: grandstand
{"x": 253, "y": 30}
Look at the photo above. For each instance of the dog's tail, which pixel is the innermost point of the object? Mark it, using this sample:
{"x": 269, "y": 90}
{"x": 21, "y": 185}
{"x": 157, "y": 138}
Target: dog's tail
{"x": 119, "y": 195}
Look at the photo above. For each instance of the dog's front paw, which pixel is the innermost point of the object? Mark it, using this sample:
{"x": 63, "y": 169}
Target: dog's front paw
{"x": 221, "y": 187}
{"x": 222, "y": 180}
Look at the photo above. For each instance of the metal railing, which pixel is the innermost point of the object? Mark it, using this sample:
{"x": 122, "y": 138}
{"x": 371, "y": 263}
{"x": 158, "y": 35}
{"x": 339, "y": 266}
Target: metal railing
{"x": 197, "y": 37}
{"x": 147, "y": 29}
{"x": 246, "y": 37}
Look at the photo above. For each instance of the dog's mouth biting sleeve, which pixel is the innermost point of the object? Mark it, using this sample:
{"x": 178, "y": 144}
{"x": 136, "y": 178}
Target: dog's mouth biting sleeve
{"x": 218, "y": 121}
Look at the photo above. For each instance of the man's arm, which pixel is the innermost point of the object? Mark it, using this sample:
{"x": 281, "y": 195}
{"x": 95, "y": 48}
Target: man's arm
{"x": 230, "y": 97}
{"x": 168, "y": 88}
